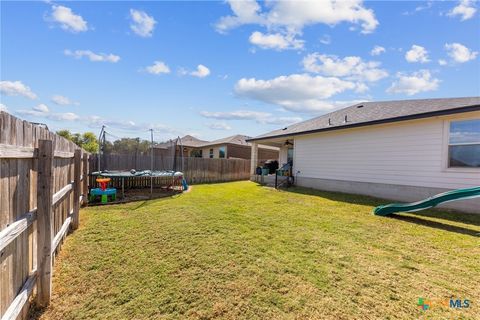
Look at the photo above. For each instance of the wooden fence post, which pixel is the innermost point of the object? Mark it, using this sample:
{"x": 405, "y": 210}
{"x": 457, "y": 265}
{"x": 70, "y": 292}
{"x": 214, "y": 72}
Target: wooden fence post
{"x": 85, "y": 179}
{"x": 44, "y": 221}
{"x": 77, "y": 162}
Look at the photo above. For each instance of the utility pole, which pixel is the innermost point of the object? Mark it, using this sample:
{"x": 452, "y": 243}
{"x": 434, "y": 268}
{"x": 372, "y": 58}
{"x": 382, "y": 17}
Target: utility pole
{"x": 101, "y": 145}
{"x": 151, "y": 164}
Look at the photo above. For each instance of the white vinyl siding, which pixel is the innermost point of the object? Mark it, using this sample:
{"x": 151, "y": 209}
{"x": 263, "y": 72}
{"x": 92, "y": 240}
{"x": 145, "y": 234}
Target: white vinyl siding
{"x": 404, "y": 153}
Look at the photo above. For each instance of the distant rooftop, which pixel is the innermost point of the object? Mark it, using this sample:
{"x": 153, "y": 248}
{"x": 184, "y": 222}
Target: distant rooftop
{"x": 236, "y": 139}
{"x": 190, "y": 141}
{"x": 369, "y": 113}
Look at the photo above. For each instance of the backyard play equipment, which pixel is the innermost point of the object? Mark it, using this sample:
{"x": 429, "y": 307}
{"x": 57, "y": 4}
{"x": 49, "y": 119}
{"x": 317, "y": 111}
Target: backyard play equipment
{"x": 454, "y": 195}
{"x": 173, "y": 180}
{"x": 103, "y": 192}
{"x": 167, "y": 179}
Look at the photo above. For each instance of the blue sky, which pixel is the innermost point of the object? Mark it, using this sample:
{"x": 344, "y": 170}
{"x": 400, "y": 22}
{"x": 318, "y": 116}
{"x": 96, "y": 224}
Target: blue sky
{"x": 214, "y": 69}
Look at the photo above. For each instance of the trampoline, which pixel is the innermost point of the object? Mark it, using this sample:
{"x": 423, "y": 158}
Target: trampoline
{"x": 169, "y": 179}
{"x": 134, "y": 173}
{"x": 136, "y": 181}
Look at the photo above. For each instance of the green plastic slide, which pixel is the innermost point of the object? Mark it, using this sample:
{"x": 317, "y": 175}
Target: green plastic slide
{"x": 454, "y": 195}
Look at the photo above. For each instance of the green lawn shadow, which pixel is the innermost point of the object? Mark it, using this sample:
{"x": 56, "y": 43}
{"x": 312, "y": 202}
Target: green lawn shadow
{"x": 439, "y": 213}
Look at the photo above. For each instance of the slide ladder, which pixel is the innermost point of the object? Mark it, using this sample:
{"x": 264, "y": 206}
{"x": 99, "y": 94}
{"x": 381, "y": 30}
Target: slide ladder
{"x": 454, "y": 195}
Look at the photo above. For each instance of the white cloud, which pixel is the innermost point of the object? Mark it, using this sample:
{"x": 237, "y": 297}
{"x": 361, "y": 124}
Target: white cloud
{"x": 245, "y": 12}
{"x": 325, "y": 39}
{"x": 158, "y": 67}
{"x": 128, "y": 125}
{"x": 182, "y": 71}
{"x": 201, "y": 72}
{"x": 96, "y": 121}
{"x": 276, "y": 41}
{"x": 41, "y": 108}
{"x": 16, "y": 88}
{"x": 142, "y": 24}
{"x": 352, "y": 68}
{"x": 33, "y": 113}
{"x": 296, "y": 92}
{"x": 317, "y": 106}
{"x": 219, "y": 126}
{"x": 257, "y": 116}
{"x": 428, "y": 5}
{"x": 417, "y": 54}
{"x": 410, "y": 84}
{"x": 465, "y": 9}
{"x": 66, "y": 116}
{"x": 42, "y": 111}
{"x": 377, "y": 50}
{"x": 235, "y": 115}
{"x": 3, "y": 107}
{"x": 295, "y": 15}
{"x": 281, "y": 121}
{"x": 95, "y": 57}
{"x": 67, "y": 19}
{"x": 285, "y": 20}
{"x": 442, "y": 62}
{"x": 62, "y": 101}
{"x": 459, "y": 53}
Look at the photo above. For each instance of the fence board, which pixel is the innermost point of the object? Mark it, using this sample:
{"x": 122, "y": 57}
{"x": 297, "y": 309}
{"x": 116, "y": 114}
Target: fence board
{"x": 44, "y": 217}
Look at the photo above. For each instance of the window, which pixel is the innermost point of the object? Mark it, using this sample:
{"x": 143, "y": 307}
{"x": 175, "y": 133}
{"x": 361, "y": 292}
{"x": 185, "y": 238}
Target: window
{"x": 211, "y": 153}
{"x": 464, "y": 144}
{"x": 196, "y": 153}
{"x": 221, "y": 152}
{"x": 290, "y": 155}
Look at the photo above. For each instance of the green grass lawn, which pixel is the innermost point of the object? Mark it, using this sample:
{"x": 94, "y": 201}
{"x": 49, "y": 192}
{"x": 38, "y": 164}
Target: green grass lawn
{"x": 242, "y": 251}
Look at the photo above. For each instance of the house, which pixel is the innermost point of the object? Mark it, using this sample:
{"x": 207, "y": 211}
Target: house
{"x": 233, "y": 147}
{"x": 400, "y": 150}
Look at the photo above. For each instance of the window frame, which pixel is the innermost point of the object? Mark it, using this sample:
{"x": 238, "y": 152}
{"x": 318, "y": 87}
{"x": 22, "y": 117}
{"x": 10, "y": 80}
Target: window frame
{"x": 196, "y": 153}
{"x": 446, "y": 145}
{"x": 210, "y": 153}
{"x": 224, "y": 150}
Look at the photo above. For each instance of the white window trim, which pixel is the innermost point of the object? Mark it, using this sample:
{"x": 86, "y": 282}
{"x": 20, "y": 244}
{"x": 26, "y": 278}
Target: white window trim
{"x": 445, "y": 144}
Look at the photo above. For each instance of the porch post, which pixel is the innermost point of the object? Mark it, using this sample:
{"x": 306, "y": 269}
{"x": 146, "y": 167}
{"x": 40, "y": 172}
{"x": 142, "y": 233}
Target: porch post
{"x": 253, "y": 160}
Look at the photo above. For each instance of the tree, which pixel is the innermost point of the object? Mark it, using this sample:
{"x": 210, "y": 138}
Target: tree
{"x": 87, "y": 140}
{"x": 128, "y": 145}
{"x": 66, "y": 134}
{"x": 90, "y": 142}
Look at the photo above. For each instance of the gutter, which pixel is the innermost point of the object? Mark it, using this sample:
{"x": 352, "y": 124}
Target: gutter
{"x": 373, "y": 122}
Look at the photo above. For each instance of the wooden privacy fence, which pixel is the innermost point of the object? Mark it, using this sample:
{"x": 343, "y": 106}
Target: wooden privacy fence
{"x": 43, "y": 181}
{"x": 204, "y": 170}
{"x": 196, "y": 170}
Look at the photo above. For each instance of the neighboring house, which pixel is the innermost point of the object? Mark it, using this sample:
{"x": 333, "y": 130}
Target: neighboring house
{"x": 400, "y": 150}
{"x": 234, "y": 147}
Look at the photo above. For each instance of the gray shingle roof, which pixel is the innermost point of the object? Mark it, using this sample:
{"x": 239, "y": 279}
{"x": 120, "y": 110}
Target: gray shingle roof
{"x": 367, "y": 113}
{"x": 236, "y": 139}
{"x": 187, "y": 141}
{"x": 190, "y": 141}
